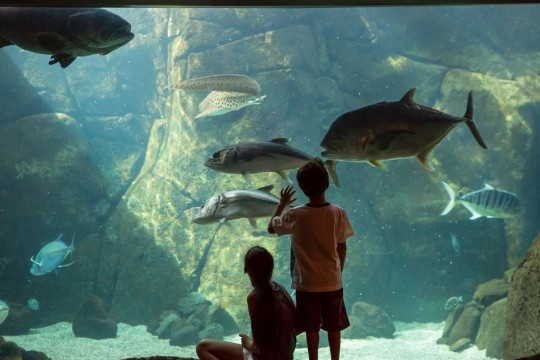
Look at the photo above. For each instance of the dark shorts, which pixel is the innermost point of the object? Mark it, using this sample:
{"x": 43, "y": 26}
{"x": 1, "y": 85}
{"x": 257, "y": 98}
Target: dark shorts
{"x": 316, "y": 310}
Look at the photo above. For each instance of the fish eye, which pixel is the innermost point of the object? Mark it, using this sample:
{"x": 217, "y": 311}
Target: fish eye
{"x": 215, "y": 155}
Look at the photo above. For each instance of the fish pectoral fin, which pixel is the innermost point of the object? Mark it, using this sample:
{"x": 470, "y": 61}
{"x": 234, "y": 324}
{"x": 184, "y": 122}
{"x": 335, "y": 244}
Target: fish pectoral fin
{"x": 284, "y": 176}
{"x": 66, "y": 265}
{"x": 253, "y": 222}
{"x": 383, "y": 142}
{"x": 64, "y": 60}
{"x": 423, "y": 157}
{"x": 377, "y": 164}
{"x": 331, "y": 167}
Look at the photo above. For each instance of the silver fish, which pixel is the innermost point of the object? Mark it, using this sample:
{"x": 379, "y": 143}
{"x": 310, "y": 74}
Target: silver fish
{"x": 4, "y": 311}
{"x": 227, "y": 83}
{"x": 488, "y": 202}
{"x": 222, "y": 102}
{"x": 238, "y": 204}
{"x": 392, "y": 130}
{"x": 455, "y": 243}
{"x": 257, "y": 157}
{"x": 452, "y": 302}
{"x": 33, "y": 304}
{"x": 65, "y": 33}
{"x": 51, "y": 256}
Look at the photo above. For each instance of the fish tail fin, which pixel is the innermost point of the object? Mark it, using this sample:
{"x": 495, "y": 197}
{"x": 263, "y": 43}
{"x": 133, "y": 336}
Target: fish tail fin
{"x": 452, "y": 196}
{"x": 470, "y": 122}
{"x": 331, "y": 167}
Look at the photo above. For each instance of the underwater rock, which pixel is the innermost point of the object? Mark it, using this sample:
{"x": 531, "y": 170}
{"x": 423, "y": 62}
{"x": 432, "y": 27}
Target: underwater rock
{"x": 467, "y": 324}
{"x": 491, "y": 291}
{"x": 11, "y": 351}
{"x": 93, "y": 320}
{"x": 164, "y": 329}
{"x": 491, "y": 332}
{"x": 522, "y": 335}
{"x": 460, "y": 345}
{"x": 19, "y": 320}
{"x": 451, "y": 320}
{"x": 369, "y": 320}
{"x": 212, "y": 331}
{"x": 187, "y": 335}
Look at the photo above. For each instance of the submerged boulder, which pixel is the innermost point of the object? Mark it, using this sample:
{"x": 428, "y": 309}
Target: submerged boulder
{"x": 93, "y": 320}
{"x": 369, "y": 320}
{"x": 522, "y": 335}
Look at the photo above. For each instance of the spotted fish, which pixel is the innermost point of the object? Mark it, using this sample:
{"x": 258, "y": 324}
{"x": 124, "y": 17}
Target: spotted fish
{"x": 228, "y": 83}
{"x": 221, "y": 102}
{"x": 488, "y": 202}
{"x": 392, "y": 130}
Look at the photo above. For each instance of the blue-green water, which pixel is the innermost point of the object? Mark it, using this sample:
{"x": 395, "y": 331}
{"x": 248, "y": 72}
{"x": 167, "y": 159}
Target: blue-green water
{"x": 104, "y": 150}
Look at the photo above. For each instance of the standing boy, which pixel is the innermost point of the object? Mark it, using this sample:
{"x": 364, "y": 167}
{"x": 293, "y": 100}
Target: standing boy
{"x": 318, "y": 232}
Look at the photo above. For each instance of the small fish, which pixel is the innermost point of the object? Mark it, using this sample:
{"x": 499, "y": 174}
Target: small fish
{"x": 455, "y": 243}
{"x": 51, "y": 256}
{"x": 257, "y": 157}
{"x": 452, "y": 302}
{"x": 238, "y": 204}
{"x": 222, "y": 102}
{"x": 223, "y": 83}
{"x": 65, "y": 33}
{"x": 33, "y": 304}
{"x": 4, "y": 311}
{"x": 488, "y": 202}
{"x": 392, "y": 130}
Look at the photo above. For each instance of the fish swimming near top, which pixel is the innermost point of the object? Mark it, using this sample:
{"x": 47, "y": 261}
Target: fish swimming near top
{"x": 64, "y": 33}
{"x": 51, "y": 256}
{"x": 257, "y": 157}
{"x": 221, "y": 102}
{"x": 392, "y": 130}
{"x": 452, "y": 302}
{"x": 488, "y": 202}
{"x": 4, "y": 311}
{"x": 223, "y": 83}
{"x": 238, "y": 204}
{"x": 455, "y": 243}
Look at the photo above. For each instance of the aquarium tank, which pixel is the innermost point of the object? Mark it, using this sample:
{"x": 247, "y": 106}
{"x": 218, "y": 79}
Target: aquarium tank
{"x": 116, "y": 126}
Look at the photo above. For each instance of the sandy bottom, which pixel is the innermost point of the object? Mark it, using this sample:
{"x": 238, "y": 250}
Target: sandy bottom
{"x": 413, "y": 341}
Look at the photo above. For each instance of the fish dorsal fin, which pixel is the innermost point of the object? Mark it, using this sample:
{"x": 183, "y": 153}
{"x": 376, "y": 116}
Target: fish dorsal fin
{"x": 488, "y": 187}
{"x": 377, "y": 164}
{"x": 408, "y": 97}
{"x": 266, "y": 188}
{"x": 280, "y": 140}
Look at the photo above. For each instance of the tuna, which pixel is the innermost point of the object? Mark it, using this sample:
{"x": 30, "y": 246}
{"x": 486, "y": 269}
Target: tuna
{"x": 393, "y": 130}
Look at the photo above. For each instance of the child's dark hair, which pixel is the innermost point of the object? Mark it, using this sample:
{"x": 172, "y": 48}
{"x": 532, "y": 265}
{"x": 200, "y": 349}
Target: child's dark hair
{"x": 312, "y": 178}
{"x": 271, "y": 319}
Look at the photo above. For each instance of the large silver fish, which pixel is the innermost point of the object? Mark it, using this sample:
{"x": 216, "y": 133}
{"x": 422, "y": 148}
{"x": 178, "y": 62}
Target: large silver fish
{"x": 256, "y": 157}
{"x": 65, "y": 33}
{"x": 51, "y": 256}
{"x": 488, "y": 202}
{"x": 238, "y": 204}
{"x": 222, "y": 102}
{"x": 392, "y": 130}
{"x": 4, "y": 311}
{"x": 228, "y": 83}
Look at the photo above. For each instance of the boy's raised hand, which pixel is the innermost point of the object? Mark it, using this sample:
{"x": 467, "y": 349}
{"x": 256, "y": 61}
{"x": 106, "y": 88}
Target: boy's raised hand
{"x": 286, "y": 195}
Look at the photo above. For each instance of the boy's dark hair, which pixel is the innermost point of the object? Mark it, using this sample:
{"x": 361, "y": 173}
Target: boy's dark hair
{"x": 312, "y": 178}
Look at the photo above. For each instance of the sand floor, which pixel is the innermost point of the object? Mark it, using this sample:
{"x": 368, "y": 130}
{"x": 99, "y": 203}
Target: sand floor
{"x": 413, "y": 341}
